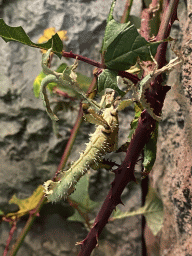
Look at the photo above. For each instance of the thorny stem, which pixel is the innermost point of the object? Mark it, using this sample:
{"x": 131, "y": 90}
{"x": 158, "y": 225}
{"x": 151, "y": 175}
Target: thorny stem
{"x": 125, "y": 173}
{"x": 168, "y": 17}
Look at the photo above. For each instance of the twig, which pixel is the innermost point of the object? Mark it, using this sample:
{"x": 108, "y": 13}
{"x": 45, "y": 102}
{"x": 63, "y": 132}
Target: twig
{"x": 11, "y": 232}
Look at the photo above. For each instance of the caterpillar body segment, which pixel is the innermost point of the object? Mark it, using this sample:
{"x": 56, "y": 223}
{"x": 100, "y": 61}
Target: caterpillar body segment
{"x": 102, "y": 141}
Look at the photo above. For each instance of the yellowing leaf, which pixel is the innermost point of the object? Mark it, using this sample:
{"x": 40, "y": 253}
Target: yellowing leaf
{"x": 27, "y": 204}
{"x": 37, "y": 84}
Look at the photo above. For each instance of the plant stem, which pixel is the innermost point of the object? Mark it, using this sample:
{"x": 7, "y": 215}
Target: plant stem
{"x": 127, "y": 9}
{"x": 125, "y": 173}
{"x": 27, "y": 227}
{"x": 13, "y": 228}
{"x": 82, "y": 58}
{"x": 121, "y": 73}
{"x": 63, "y": 161}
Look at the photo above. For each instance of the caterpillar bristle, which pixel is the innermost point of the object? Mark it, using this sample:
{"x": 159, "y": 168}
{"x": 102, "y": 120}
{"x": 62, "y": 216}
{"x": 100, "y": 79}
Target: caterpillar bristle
{"x": 100, "y": 142}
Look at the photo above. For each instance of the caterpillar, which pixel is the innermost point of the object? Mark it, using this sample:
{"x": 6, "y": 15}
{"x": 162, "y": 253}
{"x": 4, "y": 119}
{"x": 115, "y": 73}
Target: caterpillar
{"x": 102, "y": 141}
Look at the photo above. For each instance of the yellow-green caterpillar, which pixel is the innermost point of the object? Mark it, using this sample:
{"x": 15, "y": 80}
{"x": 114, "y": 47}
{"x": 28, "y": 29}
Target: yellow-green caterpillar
{"x": 102, "y": 141}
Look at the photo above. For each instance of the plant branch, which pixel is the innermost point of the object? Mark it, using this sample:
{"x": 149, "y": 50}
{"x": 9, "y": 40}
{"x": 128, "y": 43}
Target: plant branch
{"x": 127, "y": 9}
{"x": 82, "y": 58}
{"x": 13, "y": 228}
{"x": 27, "y": 227}
{"x": 168, "y": 17}
{"x": 126, "y": 74}
{"x": 125, "y": 173}
{"x": 64, "y": 158}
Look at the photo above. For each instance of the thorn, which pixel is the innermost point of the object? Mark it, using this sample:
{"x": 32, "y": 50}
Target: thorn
{"x": 120, "y": 202}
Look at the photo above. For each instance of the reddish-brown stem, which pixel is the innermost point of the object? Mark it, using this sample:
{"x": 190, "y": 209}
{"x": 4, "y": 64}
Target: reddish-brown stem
{"x": 27, "y": 227}
{"x": 82, "y": 58}
{"x": 81, "y": 213}
{"x": 125, "y": 173}
{"x": 168, "y": 17}
{"x": 126, "y": 12}
{"x": 128, "y": 75}
{"x": 61, "y": 93}
{"x": 11, "y": 232}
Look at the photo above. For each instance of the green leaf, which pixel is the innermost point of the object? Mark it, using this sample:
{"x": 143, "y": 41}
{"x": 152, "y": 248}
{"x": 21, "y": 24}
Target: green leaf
{"x": 61, "y": 68}
{"x": 37, "y": 84}
{"x": 150, "y": 151}
{"x": 110, "y": 16}
{"x": 108, "y": 79}
{"x": 152, "y": 210}
{"x": 124, "y": 104}
{"x": 82, "y": 199}
{"x": 27, "y": 204}
{"x": 123, "y": 45}
{"x": 134, "y": 122}
{"x": 82, "y": 80}
{"x": 18, "y": 34}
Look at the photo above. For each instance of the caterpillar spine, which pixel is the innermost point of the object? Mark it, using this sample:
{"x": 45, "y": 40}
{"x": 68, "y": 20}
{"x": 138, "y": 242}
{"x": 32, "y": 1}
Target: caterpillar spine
{"x": 101, "y": 142}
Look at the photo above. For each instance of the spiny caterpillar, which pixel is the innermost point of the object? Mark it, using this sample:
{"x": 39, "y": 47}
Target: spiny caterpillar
{"x": 102, "y": 141}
